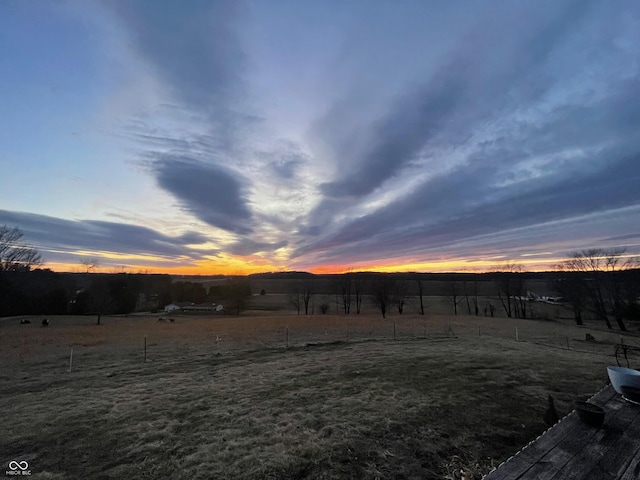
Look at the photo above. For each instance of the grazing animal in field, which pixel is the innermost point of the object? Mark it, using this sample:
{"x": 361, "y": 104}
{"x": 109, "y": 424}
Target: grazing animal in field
{"x": 45, "y": 322}
{"x": 551, "y": 415}
{"x": 24, "y": 321}
{"x": 172, "y": 320}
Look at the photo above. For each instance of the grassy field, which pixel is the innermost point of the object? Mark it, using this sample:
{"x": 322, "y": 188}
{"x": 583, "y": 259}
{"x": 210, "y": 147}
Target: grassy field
{"x": 285, "y": 397}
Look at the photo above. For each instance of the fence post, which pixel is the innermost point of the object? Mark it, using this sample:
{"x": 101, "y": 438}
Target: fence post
{"x": 70, "y": 359}
{"x": 145, "y": 349}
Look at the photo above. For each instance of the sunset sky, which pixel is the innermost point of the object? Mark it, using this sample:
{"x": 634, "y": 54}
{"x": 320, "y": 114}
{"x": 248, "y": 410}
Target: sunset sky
{"x": 237, "y": 137}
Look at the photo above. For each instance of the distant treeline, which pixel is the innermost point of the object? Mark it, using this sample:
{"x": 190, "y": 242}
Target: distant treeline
{"x": 594, "y": 292}
{"x": 44, "y": 292}
{"x": 445, "y": 277}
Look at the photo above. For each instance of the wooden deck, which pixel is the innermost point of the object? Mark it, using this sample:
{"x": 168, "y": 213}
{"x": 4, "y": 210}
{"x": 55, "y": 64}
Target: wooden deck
{"x": 572, "y": 449}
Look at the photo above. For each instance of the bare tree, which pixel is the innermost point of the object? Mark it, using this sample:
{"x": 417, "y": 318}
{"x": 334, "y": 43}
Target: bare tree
{"x": 381, "y": 292}
{"x": 466, "y": 296}
{"x": 238, "y": 293}
{"x": 453, "y": 296}
{"x": 617, "y": 286}
{"x": 591, "y": 264}
{"x": 573, "y": 288}
{"x": 605, "y": 275}
{"x": 475, "y": 297}
{"x": 471, "y": 297}
{"x": 294, "y": 299}
{"x": 420, "y": 293}
{"x": 399, "y": 294}
{"x": 343, "y": 286}
{"x": 15, "y": 253}
{"x": 509, "y": 283}
{"x": 358, "y": 291}
{"x": 100, "y": 298}
{"x": 307, "y": 294}
{"x": 89, "y": 265}
{"x": 117, "y": 269}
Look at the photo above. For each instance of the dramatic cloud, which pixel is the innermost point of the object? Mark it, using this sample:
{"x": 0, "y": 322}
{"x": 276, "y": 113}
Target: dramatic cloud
{"x": 206, "y": 191}
{"x": 246, "y": 247}
{"x": 305, "y": 136}
{"x": 63, "y": 240}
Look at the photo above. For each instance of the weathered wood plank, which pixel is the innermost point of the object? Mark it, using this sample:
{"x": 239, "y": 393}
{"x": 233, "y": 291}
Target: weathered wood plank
{"x": 519, "y": 465}
{"x": 552, "y": 437}
{"x": 615, "y": 462}
{"x": 633, "y": 469}
{"x": 543, "y": 470}
{"x": 573, "y": 450}
{"x": 618, "y": 459}
{"x": 569, "y": 436}
{"x": 511, "y": 469}
{"x": 601, "y": 444}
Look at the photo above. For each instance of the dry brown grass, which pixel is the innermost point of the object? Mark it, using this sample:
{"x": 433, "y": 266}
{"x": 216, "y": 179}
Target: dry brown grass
{"x": 368, "y": 408}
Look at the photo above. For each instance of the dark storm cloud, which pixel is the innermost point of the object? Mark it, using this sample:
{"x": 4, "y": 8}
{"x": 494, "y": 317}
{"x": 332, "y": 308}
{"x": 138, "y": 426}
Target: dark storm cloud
{"x": 59, "y": 238}
{"x": 207, "y": 191}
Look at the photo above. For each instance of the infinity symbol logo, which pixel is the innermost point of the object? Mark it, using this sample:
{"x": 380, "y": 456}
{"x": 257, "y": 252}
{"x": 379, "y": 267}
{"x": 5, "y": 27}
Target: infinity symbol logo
{"x": 13, "y": 465}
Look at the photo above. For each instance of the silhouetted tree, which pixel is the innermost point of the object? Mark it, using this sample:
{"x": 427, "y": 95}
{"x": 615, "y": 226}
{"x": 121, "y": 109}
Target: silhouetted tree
{"x": 420, "y": 293}
{"x": 99, "y": 297}
{"x": 510, "y": 288}
{"x": 358, "y": 291}
{"x": 307, "y": 294}
{"x": 605, "y": 275}
{"x": 89, "y": 265}
{"x": 343, "y": 286}
{"x": 453, "y": 296}
{"x": 15, "y": 254}
{"x": 32, "y": 292}
{"x": 381, "y": 289}
{"x": 573, "y": 288}
{"x": 124, "y": 290}
{"x": 238, "y": 293}
{"x": 190, "y": 292}
{"x": 399, "y": 291}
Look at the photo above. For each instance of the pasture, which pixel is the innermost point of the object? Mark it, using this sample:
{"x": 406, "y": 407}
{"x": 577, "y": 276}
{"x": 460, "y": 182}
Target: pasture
{"x": 286, "y": 397}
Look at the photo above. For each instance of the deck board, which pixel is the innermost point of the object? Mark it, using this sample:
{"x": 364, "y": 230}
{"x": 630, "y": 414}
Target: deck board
{"x": 573, "y": 450}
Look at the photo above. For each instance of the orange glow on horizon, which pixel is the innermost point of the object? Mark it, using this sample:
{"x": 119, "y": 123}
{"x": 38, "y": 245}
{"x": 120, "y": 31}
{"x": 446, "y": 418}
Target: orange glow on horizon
{"x": 451, "y": 266}
{"x": 227, "y": 265}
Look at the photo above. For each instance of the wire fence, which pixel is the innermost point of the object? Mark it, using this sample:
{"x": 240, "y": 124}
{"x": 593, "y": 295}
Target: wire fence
{"x": 142, "y": 340}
